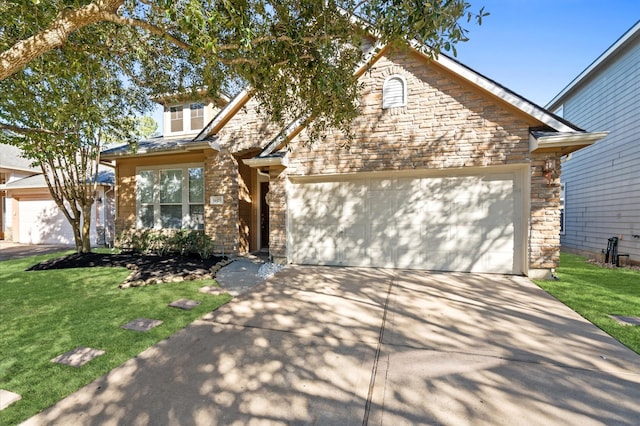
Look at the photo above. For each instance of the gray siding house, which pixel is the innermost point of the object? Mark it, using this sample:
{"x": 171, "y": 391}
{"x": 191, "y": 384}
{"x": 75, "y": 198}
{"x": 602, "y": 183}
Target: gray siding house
{"x": 602, "y": 182}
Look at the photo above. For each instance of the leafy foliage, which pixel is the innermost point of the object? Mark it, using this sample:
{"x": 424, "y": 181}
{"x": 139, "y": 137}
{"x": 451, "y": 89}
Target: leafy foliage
{"x": 182, "y": 242}
{"x": 297, "y": 55}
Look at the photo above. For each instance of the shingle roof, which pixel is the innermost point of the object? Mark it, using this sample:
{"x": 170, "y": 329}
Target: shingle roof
{"x": 153, "y": 145}
{"x": 11, "y": 158}
{"x": 105, "y": 177}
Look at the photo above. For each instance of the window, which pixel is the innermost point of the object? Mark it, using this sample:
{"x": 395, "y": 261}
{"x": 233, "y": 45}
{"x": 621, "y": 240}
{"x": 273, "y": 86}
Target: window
{"x": 563, "y": 216}
{"x": 394, "y": 92}
{"x": 176, "y": 118}
{"x": 170, "y": 197}
{"x": 197, "y": 116}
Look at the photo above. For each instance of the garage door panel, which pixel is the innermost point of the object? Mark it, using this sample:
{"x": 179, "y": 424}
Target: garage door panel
{"x": 452, "y": 223}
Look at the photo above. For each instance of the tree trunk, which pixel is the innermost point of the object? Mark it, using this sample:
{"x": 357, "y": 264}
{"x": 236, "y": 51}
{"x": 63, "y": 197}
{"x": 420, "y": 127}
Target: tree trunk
{"x": 86, "y": 228}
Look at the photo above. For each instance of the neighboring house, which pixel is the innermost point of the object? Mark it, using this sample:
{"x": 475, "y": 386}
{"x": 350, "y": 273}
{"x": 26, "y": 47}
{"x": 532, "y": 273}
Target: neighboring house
{"x": 30, "y": 216}
{"x": 448, "y": 171}
{"x": 12, "y": 167}
{"x": 602, "y": 183}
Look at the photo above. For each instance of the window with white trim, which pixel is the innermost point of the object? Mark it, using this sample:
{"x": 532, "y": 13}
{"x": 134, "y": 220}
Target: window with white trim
{"x": 170, "y": 197}
{"x": 197, "y": 116}
{"x": 394, "y": 92}
{"x": 176, "y": 116}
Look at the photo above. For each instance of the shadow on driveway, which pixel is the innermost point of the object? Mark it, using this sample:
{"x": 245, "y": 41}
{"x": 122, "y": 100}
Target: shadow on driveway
{"x": 323, "y": 345}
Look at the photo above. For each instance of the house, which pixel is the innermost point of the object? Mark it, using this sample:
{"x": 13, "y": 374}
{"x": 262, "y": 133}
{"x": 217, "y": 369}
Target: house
{"x": 30, "y": 216}
{"x": 601, "y": 183}
{"x": 12, "y": 167}
{"x": 448, "y": 171}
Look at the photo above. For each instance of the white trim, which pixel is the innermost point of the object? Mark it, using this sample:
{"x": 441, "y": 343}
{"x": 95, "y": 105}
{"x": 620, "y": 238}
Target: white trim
{"x": 266, "y": 161}
{"x": 484, "y": 83}
{"x": 185, "y": 203}
{"x": 224, "y": 112}
{"x": 591, "y": 69}
{"x": 564, "y": 140}
{"x": 403, "y": 81}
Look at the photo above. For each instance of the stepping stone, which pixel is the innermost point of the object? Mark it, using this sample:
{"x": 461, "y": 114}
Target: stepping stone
{"x": 185, "y": 304}
{"x": 210, "y": 289}
{"x": 7, "y": 398}
{"x": 142, "y": 324}
{"x": 626, "y": 320}
{"x": 78, "y": 356}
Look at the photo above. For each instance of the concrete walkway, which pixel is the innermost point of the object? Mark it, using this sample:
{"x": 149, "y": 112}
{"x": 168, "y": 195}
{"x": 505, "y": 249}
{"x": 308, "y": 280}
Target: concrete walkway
{"x": 346, "y": 346}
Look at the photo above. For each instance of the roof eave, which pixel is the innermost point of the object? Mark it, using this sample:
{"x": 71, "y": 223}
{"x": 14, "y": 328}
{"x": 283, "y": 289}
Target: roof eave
{"x": 565, "y": 143}
{"x": 195, "y": 146}
{"x": 259, "y": 162}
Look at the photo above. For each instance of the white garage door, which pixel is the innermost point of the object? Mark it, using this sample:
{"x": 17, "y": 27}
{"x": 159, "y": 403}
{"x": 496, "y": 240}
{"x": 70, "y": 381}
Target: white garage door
{"x": 461, "y": 223}
{"x": 42, "y": 222}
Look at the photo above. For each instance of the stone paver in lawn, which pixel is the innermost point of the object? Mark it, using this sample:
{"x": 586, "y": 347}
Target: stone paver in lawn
{"x": 185, "y": 304}
{"x": 626, "y": 320}
{"x": 7, "y": 398}
{"x": 78, "y": 357}
{"x": 142, "y": 324}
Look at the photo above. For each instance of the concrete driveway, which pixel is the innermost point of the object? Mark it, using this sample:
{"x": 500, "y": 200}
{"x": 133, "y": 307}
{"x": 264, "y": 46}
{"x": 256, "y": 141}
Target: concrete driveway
{"x": 342, "y": 346}
{"x": 10, "y": 250}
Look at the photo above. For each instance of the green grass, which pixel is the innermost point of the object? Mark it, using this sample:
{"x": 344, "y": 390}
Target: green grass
{"x": 46, "y": 313}
{"x": 596, "y": 292}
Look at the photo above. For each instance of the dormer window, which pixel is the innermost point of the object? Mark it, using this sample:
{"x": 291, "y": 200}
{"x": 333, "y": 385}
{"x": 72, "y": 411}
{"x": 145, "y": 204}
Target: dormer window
{"x": 197, "y": 116}
{"x": 394, "y": 92}
{"x": 176, "y": 119}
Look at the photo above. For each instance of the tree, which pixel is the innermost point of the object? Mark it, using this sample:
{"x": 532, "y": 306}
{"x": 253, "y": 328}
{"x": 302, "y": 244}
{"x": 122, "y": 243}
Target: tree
{"x": 297, "y": 55}
{"x": 60, "y": 123}
{"x": 74, "y": 72}
{"x": 146, "y": 127}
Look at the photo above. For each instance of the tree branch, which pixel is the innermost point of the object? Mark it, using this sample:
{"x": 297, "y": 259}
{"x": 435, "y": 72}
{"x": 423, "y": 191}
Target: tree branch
{"x": 28, "y": 130}
{"x": 68, "y": 21}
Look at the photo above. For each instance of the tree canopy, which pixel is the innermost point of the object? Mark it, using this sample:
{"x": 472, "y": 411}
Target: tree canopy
{"x": 297, "y": 55}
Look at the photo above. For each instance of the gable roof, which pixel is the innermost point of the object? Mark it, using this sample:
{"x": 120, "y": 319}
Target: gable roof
{"x": 105, "y": 177}
{"x": 466, "y": 73}
{"x": 596, "y": 66}
{"x": 11, "y": 158}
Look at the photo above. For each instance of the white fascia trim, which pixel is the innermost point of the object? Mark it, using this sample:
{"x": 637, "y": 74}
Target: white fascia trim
{"x": 283, "y": 135}
{"x": 619, "y": 44}
{"x": 565, "y": 140}
{"x": 266, "y": 162}
{"x": 521, "y": 104}
{"x": 491, "y": 87}
{"x": 171, "y": 150}
{"x": 298, "y": 122}
{"x": 221, "y": 115}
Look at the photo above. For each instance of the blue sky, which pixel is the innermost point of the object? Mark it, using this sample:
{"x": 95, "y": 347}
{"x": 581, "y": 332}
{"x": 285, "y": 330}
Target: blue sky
{"x": 537, "y": 47}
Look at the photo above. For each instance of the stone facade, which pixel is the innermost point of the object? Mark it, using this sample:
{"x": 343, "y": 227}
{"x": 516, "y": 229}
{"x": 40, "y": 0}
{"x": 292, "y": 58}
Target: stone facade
{"x": 446, "y": 124}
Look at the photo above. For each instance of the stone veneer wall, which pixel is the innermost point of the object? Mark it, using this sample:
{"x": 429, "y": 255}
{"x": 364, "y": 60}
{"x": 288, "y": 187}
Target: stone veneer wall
{"x": 221, "y": 221}
{"x": 445, "y": 124}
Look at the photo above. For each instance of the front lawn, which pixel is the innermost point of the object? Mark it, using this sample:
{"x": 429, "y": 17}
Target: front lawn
{"x": 46, "y": 313}
{"x": 595, "y": 292}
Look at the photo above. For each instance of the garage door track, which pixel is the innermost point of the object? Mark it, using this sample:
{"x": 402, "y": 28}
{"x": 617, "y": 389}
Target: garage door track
{"x": 340, "y": 346}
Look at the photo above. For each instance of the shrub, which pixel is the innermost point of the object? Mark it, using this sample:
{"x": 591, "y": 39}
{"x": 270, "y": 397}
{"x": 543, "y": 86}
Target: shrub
{"x": 183, "y": 242}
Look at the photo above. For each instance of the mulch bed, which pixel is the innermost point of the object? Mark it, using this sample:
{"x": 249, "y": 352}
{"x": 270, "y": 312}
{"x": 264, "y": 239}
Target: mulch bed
{"x": 146, "y": 268}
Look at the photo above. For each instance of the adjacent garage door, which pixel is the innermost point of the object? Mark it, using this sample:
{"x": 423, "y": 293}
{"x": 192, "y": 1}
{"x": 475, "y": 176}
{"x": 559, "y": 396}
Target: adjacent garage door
{"x": 42, "y": 222}
{"x": 447, "y": 223}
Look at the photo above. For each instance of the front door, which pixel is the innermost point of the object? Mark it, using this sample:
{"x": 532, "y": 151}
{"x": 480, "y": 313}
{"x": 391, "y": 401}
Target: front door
{"x": 264, "y": 215}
